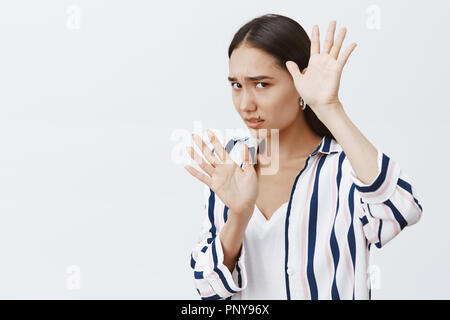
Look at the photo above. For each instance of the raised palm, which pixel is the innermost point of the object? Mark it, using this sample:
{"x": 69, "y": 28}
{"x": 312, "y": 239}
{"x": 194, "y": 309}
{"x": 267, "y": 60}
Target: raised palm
{"x": 318, "y": 84}
{"x": 237, "y": 187}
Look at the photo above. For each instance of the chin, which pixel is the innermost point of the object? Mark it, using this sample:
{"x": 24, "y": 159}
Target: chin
{"x": 260, "y": 132}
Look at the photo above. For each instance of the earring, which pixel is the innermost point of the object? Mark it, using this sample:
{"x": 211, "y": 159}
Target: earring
{"x": 302, "y": 104}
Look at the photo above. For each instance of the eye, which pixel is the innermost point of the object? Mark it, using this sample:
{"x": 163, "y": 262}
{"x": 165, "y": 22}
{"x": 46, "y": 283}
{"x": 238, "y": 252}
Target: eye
{"x": 233, "y": 84}
{"x": 265, "y": 84}
{"x": 262, "y": 83}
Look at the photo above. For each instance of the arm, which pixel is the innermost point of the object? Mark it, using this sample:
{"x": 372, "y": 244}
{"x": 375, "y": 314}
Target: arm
{"x": 387, "y": 198}
{"x": 388, "y": 204}
{"x": 358, "y": 149}
{"x": 218, "y": 258}
{"x": 232, "y": 236}
{"x": 386, "y": 194}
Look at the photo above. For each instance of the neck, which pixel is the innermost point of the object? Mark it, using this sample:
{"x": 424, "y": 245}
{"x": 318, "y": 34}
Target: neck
{"x": 295, "y": 141}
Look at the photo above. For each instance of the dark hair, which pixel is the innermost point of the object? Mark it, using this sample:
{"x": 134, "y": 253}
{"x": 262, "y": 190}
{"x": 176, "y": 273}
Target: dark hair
{"x": 285, "y": 40}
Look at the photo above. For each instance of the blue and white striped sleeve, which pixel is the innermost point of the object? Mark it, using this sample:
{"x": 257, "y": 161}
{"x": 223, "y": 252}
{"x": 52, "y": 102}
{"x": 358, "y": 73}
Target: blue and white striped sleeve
{"x": 388, "y": 204}
{"x": 212, "y": 278}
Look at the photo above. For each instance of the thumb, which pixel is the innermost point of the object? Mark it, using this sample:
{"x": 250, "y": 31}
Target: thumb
{"x": 293, "y": 69}
{"x": 245, "y": 154}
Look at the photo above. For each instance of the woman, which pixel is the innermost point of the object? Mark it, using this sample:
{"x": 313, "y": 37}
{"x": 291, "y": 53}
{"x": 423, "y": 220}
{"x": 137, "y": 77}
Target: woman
{"x": 305, "y": 231}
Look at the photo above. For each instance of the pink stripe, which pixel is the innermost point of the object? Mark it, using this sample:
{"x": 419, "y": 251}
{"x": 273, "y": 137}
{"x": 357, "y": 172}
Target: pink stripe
{"x": 211, "y": 261}
{"x": 195, "y": 252}
{"x": 386, "y": 183}
{"x": 376, "y": 226}
{"x": 239, "y": 294}
{"x": 391, "y": 218}
{"x": 195, "y": 255}
{"x": 373, "y": 225}
{"x": 410, "y": 199}
{"x": 207, "y": 293}
{"x": 304, "y": 232}
{"x": 333, "y": 213}
{"x": 366, "y": 257}
{"x": 366, "y": 250}
{"x": 348, "y": 258}
{"x": 217, "y": 244}
{"x": 332, "y": 145}
{"x": 335, "y": 146}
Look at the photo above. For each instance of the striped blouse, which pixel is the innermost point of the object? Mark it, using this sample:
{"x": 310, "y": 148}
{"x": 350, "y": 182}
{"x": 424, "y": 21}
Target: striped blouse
{"x": 331, "y": 221}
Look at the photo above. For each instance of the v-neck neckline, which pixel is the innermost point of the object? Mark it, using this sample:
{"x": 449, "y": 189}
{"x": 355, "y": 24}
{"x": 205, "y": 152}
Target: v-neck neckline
{"x": 275, "y": 214}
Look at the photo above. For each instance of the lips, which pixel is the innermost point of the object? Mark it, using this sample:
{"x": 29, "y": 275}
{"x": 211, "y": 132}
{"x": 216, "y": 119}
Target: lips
{"x": 254, "y": 122}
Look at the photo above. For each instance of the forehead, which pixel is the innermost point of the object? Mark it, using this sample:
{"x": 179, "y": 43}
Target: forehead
{"x": 246, "y": 61}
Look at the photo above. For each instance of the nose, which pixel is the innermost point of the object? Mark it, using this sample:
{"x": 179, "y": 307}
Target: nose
{"x": 247, "y": 103}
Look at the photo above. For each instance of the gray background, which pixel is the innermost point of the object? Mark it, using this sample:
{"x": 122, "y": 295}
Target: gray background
{"x": 88, "y": 175}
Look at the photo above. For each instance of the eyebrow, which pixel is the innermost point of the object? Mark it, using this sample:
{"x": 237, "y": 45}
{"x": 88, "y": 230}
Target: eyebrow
{"x": 255, "y": 78}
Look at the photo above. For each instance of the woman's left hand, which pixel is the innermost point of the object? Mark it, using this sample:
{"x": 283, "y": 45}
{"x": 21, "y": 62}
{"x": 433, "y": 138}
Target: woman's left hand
{"x": 318, "y": 83}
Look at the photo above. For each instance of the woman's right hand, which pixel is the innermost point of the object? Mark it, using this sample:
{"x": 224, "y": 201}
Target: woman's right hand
{"x": 236, "y": 187}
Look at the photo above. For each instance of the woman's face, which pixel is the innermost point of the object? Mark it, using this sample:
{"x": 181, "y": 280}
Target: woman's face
{"x": 272, "y": 97}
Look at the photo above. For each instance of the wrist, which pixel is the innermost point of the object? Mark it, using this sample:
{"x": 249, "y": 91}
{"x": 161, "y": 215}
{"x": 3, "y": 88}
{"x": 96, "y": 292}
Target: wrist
{"x": 240, "y": 217}
{"x": 328, "y": 113}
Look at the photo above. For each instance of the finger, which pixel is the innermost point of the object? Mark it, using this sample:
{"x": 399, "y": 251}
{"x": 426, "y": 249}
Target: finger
{"x": 218, "y": 148}
{"x": 200, "y": 161}
{"x": 200, "y": 176}
{"x": 344, "y": 56}
{"x": 243, "y": 157}
{"x": 293, "y": 69}
{"x": 245, "y": 154}
{"x": 209, "y": 155}
{"x": 315, "y": 42}
{"x": 338, "y": 44}
{"x": 329, "y": 39}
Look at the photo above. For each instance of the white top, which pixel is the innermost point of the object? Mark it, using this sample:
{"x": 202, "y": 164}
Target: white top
{"x": 264, "y": 243}
{"x": 317, "y": 245}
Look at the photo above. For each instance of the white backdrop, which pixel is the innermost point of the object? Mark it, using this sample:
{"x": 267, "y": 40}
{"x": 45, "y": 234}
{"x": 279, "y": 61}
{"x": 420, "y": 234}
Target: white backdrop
{"x": 94, "y": 202}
